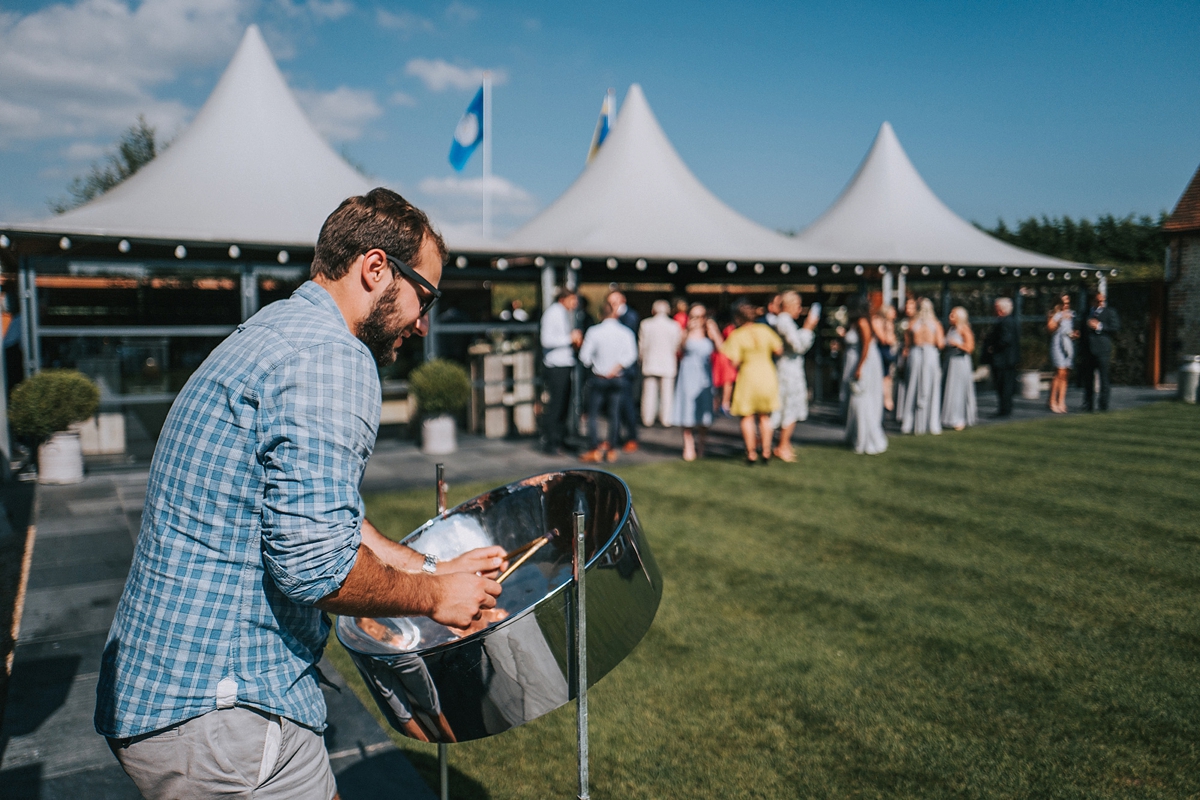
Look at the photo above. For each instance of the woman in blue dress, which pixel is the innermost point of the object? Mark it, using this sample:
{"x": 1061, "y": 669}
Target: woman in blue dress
{"x": 1061, "y": 324}
{"x": 694, "y": 384}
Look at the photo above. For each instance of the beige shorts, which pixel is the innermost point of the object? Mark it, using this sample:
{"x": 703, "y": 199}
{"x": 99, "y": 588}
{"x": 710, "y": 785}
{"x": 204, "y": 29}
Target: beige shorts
{"x": 231, "y": 752}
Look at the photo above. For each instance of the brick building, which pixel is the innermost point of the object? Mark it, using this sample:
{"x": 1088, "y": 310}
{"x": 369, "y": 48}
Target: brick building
{"x": 1183, "y": 275}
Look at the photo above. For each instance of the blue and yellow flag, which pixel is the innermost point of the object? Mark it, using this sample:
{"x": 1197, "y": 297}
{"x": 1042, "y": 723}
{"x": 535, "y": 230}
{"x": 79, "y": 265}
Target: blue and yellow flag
{"x": 468, "y": 134}
{"x": 603, "y": 125}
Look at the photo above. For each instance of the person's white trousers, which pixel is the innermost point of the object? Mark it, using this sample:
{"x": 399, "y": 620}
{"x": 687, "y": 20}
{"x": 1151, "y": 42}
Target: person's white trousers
{"x": 658, "y": 400}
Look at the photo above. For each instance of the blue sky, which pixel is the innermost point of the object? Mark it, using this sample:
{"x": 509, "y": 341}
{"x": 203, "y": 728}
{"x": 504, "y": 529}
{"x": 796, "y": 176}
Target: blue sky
{"x": 1007, "y": 109}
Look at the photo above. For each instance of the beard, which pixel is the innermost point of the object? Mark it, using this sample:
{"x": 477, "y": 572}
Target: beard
{"x": 376, "y": 332}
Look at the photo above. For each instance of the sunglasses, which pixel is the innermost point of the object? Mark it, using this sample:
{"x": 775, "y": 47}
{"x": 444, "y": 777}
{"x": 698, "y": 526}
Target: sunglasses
{"x": 431, "y": 292}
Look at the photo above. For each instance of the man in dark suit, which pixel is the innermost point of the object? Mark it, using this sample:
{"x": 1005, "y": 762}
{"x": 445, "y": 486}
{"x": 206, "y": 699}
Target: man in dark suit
{"x": 1002, "y": 349}
{"x": 1095, "y": 350}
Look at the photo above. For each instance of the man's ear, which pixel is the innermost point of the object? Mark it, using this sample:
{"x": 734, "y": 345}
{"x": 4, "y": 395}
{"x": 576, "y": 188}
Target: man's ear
{"x": 374, "y": 269}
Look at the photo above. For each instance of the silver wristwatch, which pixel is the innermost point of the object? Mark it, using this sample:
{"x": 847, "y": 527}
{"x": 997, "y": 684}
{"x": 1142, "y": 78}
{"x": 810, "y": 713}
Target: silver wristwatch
{"x": 430, "y": 565}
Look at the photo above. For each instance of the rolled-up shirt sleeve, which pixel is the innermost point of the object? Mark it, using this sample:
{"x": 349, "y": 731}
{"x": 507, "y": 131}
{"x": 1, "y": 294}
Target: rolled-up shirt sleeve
{"x": 318, "y": 417}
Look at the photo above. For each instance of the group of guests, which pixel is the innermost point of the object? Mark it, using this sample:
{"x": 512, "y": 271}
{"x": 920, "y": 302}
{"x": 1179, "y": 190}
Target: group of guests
{"x": 688, "y": 369}
{"x": 903, "y": 372}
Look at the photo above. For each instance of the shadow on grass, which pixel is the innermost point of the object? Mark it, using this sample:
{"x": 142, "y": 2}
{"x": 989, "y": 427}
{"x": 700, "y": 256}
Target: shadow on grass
{"x": 462, "y": 786}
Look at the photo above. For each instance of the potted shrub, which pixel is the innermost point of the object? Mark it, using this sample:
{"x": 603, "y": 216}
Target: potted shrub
{"x": 442, "y": 389}
{"x": 43, "y": 408}
{"x": 1034, "y": 355}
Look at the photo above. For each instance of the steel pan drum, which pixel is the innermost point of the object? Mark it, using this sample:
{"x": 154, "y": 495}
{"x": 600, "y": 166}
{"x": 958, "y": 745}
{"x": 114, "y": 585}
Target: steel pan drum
{"x": 435, "y": 685}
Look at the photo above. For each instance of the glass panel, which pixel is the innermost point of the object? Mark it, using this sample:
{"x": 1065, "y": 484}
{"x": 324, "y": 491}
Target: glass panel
{"x": 130, "y": 366}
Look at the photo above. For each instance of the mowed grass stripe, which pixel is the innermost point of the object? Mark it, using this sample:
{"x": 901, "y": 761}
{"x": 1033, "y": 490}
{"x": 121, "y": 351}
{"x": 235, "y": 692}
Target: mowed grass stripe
{"x": 1010, "y": 611}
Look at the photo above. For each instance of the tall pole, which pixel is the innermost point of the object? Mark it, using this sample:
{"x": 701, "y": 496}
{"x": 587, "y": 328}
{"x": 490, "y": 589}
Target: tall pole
{"x": 581, "y": 718}
{"x": 487, "y": 154}
{"x": 443, "y": 750}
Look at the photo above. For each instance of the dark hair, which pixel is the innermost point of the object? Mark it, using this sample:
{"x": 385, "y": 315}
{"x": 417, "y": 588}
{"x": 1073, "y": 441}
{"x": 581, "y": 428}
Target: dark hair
{"x": 743, "y": 312}
{"x": 380, "y": 218}
{"x": 857, "y": 306}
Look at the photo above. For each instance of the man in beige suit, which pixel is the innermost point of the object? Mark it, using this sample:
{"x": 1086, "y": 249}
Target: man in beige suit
{"x": 658, "y": 346}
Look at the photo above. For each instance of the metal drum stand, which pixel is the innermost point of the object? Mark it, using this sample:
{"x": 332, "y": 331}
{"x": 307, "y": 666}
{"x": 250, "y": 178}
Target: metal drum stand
{"x": 579, "y": 574}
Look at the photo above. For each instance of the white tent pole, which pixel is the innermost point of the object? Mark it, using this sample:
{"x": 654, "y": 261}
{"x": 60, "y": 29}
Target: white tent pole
{"x": 887, "y": 288}
{"x": 487, "y": 154}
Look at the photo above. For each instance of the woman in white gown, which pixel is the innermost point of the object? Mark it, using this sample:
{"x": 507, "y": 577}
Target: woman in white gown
{"x": 923, "y": 395}
{"x": 864, "y": 414}
{"x": 958, "y": 401}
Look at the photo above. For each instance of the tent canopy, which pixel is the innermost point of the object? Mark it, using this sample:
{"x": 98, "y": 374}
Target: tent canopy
{"x": 637, "y": 199}
{"x": 888, "y": 215}
{"x": 249, "y": 169}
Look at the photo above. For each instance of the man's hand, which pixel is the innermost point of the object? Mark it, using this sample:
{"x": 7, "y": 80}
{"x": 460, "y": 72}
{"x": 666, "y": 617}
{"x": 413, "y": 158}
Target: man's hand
{"x": 486, "y": 561}
{"x": 1094, "y": 324}
{"x": 460, "y": 598}
{"x": 577, "y": 337}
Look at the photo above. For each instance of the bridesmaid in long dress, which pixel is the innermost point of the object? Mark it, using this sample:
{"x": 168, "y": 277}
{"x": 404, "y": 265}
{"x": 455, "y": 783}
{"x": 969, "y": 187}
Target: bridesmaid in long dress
{"x": 756, "y": 394}
{"x": 864, "y": 416}
{"x": 923, "y": 396}
{"x": 694, "y": 384}
{"x": 958, "y": 402}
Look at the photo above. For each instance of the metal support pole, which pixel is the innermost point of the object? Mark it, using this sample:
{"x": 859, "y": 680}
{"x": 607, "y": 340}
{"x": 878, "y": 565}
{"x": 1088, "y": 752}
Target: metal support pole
{"x": 887, "y": 288}
{"x": 901, "y": 291}
{"x": 431, "y": 336}
{"x": 27, "y": 298}
{"x": 548, "y": 287}
{"x": 249, "y": 292}
{"x": 443, "y": 750}
{"x": 581, "y": 718}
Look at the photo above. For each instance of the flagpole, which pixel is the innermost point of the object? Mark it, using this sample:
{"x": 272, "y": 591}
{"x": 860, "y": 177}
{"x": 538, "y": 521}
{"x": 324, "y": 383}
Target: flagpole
{"x": 487, "y": 154}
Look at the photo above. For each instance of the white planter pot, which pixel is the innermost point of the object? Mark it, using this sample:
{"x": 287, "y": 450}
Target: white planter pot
{"x": 439, "y": 435}
{"x": 1031, "y": 384}
{"x": 60, "y": 459}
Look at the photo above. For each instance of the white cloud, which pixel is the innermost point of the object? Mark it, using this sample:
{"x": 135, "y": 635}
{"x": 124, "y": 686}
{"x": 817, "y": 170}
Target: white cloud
{"x": 461, "y": 12}
{"x": 439, "y": 75}
{"x": 89, "y": 68}
{"x": 340, "y": 115}
{"x": 85, "y": 151}
{"x": 403, "y": 21}
{"x": 319, "y": 9}
{"x": 502, "y": 190}
{"x": 457, "y": 203}
{"x": 402, "y": 99}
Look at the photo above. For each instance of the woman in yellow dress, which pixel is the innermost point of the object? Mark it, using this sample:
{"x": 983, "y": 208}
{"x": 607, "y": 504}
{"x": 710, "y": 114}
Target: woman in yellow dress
{"x": 756, "y": 394}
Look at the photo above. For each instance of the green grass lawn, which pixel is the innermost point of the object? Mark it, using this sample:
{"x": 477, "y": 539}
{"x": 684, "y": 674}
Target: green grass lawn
{"x": 1011, "y": 611}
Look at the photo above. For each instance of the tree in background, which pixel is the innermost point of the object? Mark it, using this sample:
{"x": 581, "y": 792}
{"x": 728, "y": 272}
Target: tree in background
{"x": 1130, "y": 240}
{"x": 137, "y": 148}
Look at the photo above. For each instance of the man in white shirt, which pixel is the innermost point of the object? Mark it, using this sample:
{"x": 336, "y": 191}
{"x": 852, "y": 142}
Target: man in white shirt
{"x": 559, "y": 337}
{"x": 609, "y": 350}
{"x": 658, "y": 346}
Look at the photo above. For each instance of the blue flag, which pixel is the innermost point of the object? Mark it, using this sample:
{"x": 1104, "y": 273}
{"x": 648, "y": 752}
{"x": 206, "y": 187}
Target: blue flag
{"x": 468, "y": 134}
{"x": 603, "y": 125}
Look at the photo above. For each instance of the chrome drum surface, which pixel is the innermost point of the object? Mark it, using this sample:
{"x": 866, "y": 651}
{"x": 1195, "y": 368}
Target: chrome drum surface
{"x": 435, "y": 685}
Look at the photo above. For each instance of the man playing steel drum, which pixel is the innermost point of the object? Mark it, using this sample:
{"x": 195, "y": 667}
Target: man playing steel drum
{"x": 253, "y": 528}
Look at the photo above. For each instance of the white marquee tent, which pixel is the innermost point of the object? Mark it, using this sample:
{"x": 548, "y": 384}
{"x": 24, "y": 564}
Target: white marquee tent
{"x": 888, "y": 215}
{"x": 637, "y": 199}
{"x": 249, "y": 169}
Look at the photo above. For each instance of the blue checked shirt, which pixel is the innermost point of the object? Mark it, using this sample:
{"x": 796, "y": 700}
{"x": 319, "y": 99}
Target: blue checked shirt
{"x": 252, "y": 515}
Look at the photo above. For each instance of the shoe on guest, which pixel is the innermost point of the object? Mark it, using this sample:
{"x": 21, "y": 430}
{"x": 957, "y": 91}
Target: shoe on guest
{"x": 610, "y": 455}
{"x": 630, "y": 447}
{"x": 592, "y": 457}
